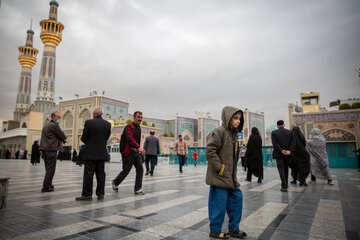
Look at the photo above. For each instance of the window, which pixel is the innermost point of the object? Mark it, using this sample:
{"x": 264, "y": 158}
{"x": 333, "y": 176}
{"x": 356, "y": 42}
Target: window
{"x": 45, "y": 86}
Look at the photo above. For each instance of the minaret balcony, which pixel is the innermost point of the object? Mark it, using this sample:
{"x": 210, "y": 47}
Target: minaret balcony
{"x": 51, "y": 32}
{"x": 27, "y": 56}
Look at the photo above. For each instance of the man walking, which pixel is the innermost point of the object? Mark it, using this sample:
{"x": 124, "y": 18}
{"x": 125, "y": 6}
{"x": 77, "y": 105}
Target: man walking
{"x": 152, "y": 149}
{"x": 95, "y": 135}
{"x": 284, "y": 144}
{"x": 181, "y": 151}
{"x": 130, "y": 151}
{"x": 51, "y": 141}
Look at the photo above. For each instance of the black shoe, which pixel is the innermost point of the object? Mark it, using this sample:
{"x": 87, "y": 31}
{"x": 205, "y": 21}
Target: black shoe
{"x": 101, "y": 197}
{"x": 47, "y": 189}
{"x": 114, "y": 186}
{"x": 248, "y": 180}
{"x": 151, "y": 174}
{"x": 259, "y": 180}
{"x": 83, "y": 198}
{"x": 283, "y": 189}
{"x": 303, "y": 184}
{"x": 293, "y": 182}
{"x": 181, "y": 171}
{"x": 147, "y": 173}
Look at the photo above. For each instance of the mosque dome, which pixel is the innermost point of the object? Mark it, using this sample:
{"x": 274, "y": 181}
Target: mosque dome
{"x": 30, "y": 31}
{"x": 271, "y": 128}
{"x": 53, "y": 2}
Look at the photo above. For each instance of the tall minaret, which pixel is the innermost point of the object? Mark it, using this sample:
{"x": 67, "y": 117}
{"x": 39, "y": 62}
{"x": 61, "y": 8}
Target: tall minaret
{"x": 51, "y": 33}
{"x": 27, "y": 59}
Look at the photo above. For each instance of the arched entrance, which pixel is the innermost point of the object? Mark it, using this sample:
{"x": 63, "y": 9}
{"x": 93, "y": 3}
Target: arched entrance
{"x": 340, "y": 145}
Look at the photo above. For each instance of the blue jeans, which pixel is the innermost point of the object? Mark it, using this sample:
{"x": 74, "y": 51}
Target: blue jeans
{"x": 221, "y": 200}
{"x": 181, "y": 161}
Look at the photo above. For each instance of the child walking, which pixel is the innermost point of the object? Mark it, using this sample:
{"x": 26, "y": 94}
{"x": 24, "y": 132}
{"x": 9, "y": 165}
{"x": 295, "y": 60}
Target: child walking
{"x": 222, "y": 152}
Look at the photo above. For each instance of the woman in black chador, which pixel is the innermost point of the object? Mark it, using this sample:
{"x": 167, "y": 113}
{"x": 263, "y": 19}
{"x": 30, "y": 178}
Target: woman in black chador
{"x": 74, "y": 156}
{"x": 301, "y": 158}
{"x": 254, "y": 157}
{"x": 35, "y": 153}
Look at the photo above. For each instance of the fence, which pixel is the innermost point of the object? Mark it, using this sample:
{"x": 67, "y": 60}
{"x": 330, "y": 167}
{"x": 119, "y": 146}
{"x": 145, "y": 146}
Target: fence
{"x": 201, "y": 151}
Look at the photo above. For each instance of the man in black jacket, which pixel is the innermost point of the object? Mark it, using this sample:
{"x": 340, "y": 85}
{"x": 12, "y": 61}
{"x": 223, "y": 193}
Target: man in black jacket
{"x": 95, "y": 135}
{"x": 284, "y": 144}
{"x": 130, "y": 151}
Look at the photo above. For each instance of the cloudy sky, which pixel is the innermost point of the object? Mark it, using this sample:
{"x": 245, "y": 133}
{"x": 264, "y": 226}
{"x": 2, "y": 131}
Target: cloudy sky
{"x": 182, "y": 56}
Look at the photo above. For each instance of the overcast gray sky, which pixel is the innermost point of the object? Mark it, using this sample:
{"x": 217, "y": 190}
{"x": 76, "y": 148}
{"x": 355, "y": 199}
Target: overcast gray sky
{"x": 182, "y": 56}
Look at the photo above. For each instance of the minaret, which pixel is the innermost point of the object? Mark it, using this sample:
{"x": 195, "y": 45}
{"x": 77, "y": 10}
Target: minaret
{"x": 27, "y": 59}
{"x": 51, "y": 33}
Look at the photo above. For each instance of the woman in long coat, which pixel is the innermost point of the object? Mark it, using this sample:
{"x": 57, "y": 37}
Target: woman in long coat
{"x": 301, "y": 158}
{"x": 319, "y": 162}
{"x": 35, "y": 153}
{"x": 254, "y": 157}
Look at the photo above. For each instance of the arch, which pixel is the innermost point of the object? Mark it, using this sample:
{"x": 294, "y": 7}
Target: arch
{"x": 84, "y": 115}
{"x": 68, "y": 118}
{"x": 338, "y": 135}
{"x": 24, "y": 125}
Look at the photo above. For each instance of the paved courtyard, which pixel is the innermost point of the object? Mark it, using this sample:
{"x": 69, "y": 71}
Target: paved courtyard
{"x": 174, "y": 207}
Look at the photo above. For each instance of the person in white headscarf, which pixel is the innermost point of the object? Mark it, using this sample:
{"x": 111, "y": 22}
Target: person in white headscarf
{"x": 319, "y": 162}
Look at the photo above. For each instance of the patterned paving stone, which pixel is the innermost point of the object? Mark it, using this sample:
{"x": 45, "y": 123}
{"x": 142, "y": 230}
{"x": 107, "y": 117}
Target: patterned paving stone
{"x": 174, "y": 206}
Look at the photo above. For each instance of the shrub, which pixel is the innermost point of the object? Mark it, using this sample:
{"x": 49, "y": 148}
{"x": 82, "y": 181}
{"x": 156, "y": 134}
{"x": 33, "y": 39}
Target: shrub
{"x": 344, "y": 106}
{"x": 153, "y": 124}
{"x": 128, "y": 121}
{"x": 144, "y": 123}
{"x": 355, "y": 105}
{"x": 165, "y": 135}
{"x": 116, "y": 123}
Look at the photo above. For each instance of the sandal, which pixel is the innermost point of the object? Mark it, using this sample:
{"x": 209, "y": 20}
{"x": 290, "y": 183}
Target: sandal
{"x": 237, "y": 233}
{"x": 220, "y": 235}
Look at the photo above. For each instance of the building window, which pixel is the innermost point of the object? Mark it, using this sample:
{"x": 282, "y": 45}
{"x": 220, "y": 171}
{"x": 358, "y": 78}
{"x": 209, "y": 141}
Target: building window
{"x": 45, "y": 86}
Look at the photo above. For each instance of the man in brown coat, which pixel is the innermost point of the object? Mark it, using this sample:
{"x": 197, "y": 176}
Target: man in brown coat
{"x": 51, "y": 141}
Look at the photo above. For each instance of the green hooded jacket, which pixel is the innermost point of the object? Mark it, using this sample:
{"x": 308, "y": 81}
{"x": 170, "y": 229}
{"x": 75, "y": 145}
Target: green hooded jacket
{"x": 222, "y": 147}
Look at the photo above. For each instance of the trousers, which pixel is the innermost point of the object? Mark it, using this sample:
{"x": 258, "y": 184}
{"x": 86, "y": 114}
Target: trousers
{"x": 223, "y": 200}
{"x": 181, "y": 161}
{"x": 283, "y": 169}
{"x": 152, "y": 160}
{"x": 50, "y": 166}
{"x": 91, "y": 167}
{"x": 135, "y": 159}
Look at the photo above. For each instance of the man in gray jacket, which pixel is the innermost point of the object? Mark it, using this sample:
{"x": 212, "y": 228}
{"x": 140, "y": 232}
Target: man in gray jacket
{"x": 152, "y": 148}
{"x": 51, "y": 141}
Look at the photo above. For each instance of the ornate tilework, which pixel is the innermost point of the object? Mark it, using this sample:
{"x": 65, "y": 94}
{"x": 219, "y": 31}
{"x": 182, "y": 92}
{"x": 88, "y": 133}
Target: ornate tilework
{"x": 338, "y": 135}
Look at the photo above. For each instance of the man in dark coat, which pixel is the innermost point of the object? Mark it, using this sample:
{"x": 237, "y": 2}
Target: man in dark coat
{"x": 35, "y": 153}
{"x": 131, "y": 151}
{"x": 95, "y": 136}
{"x": 284, "y": 143}
{"x": 152, "y": 148}
{"x": 253, "y": 156}
{"x": 51, "y": 141}
{"x": 17, "y": 153}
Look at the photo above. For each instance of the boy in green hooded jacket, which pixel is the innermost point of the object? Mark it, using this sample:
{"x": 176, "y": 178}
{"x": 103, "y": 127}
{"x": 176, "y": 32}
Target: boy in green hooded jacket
{"x": 222, "y": 153}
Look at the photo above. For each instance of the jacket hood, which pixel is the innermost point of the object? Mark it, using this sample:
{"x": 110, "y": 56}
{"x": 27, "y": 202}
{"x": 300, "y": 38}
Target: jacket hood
{"x": 227, "y": 114}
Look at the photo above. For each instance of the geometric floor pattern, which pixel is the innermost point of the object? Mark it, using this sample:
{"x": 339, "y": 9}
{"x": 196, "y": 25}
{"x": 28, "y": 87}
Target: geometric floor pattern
{"x": 174, "y": 206}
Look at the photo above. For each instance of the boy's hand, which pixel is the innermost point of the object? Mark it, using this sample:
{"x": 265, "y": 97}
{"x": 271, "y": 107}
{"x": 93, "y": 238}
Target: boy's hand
{"x": 221, "y": 171}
